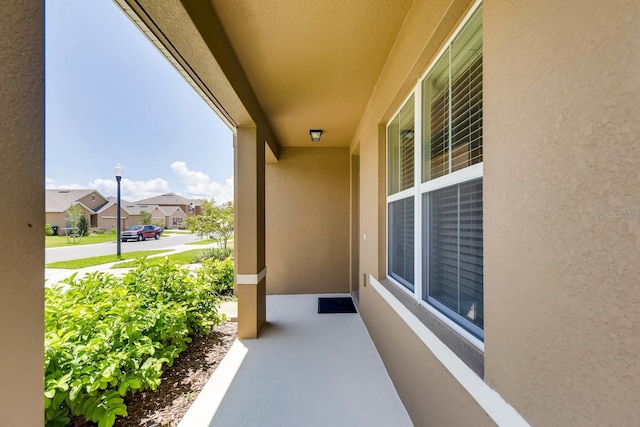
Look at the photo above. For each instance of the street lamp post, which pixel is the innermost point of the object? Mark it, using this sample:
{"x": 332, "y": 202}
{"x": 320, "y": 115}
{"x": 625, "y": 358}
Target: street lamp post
{"x": 118, "y": 172}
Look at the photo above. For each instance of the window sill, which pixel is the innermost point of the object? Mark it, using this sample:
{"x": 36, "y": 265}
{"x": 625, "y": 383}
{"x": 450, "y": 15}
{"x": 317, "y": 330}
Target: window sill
{"x": 471, "y": 355}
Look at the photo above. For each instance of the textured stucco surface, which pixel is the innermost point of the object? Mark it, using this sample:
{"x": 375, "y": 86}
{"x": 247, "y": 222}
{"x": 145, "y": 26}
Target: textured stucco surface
{"x": 308, "y": 221}
{"x": 432, "y": 396}
{"x": 426, "y": 28}
{"x": 562, "y": 301}
{"x": 21, "y": 212}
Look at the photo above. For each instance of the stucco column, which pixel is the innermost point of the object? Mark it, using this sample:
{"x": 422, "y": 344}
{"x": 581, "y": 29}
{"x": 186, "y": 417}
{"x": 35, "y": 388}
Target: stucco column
{"x": 249, "y": 244}
{"x": 22, "y": 212}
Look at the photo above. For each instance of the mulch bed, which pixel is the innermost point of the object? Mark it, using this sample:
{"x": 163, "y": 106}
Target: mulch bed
{"x": 180, "y": 384}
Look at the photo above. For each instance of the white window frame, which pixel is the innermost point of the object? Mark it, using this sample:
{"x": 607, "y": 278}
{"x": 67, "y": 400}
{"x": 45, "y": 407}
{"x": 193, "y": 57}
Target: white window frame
{"x": 420, "y": 188}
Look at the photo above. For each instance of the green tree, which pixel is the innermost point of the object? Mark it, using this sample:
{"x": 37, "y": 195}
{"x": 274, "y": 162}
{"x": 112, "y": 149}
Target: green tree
{"x": 222, "y": 228}
{"x": 216, "y": 222}
{"x": 145, "y": 218}
{"x": 83, "y": 225}
{"x": 74, "y": 213}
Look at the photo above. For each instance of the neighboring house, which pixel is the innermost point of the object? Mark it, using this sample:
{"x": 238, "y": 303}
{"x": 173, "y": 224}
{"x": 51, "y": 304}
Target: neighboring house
{"x": 173, "y": 216}
{"x": 108, "y": 215}
{"x": 170, "y": 200}
{"x": 58, "y": 201}
{"x": 475, "y": 189}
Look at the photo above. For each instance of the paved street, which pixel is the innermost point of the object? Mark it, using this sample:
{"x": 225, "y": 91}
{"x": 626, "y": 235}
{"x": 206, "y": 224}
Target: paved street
{"x": 174, "y": 243}
{"x": 86, "y": 251}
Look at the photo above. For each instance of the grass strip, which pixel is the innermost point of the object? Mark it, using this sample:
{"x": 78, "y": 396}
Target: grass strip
{"x": 104, "y": 259}
{"x": 62, "y": 241}
{"x": 202, "y": 242}
{"x": 187, "y": 257}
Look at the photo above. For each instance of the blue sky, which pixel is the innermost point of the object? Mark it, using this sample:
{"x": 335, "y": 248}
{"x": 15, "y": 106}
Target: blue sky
{"x": 111, "y": 98}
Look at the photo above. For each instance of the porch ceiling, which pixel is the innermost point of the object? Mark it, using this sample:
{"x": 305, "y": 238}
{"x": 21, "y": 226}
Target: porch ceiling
{"x": 312, "y": 64}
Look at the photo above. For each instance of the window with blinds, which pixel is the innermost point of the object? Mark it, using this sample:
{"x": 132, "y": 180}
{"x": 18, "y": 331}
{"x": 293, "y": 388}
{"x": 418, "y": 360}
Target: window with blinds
{"x": 401, "y": 241}
{"x": 443, "y": 214}
{"x": 454, "y": 252}
{"x": 452, "y": 106}
{"x": 401, "y": 149}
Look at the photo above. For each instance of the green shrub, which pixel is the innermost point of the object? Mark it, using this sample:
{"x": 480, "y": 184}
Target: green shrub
{"x": 107, "y": 336}
{"x": 83, "y": 226}
{"x": 96, "y": 230}
{"x": 217, "y": 273}
{"x": 219, "y": 254}
{"x": 48, "y": 230}
{"x": 113, "y": 231}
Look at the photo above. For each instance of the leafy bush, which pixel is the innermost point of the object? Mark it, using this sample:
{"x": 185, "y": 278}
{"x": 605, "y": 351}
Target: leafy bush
{"x": 218, "y": 273}
{"x": 107, "y": 336}
{"x": 96, "y": 230}
{"x": 114, "y": 230}
{"x": 48, "y": 230}
{"x": 214, "y": 253}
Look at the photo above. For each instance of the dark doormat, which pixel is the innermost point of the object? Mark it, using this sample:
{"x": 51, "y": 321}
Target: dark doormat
{"x": 336, "y": 305}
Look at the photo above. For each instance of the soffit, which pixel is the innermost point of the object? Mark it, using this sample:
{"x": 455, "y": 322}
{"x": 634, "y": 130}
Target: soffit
{"x": 312, "y": 64}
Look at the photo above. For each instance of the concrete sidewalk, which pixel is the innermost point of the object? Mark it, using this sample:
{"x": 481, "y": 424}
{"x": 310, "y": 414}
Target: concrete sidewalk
{"x": 55, "y": 275}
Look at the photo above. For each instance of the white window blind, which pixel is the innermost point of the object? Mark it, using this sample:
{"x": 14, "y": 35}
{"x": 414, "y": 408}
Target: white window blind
{"x": 401, "y": 149}
{"x": 452, "y": 106}
{"x": 455, "y": 251}
{"x": 401, "y": 241}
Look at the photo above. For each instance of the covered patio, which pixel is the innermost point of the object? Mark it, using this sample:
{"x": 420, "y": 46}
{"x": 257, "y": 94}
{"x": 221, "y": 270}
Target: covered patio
{"x": 307, "y": 369}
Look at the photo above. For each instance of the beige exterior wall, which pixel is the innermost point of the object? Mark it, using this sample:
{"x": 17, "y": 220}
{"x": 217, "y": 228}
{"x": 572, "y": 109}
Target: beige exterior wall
{"x": 56, "y": 218}
{"x": 307, "y": 224}
{"x": 429, "y": 392}
{"x": 93, "y": 204}
{"x": 107, "y": 219}
{"x": 562, "y": 92}
{"x": 561, "y": 153}
{"x": 22, "y": 212}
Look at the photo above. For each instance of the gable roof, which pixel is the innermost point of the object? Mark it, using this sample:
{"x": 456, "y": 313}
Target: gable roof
{"x": 170, "y": 199}
{"x": 59, "y": 200}
{"x": 170, "y": 210}
{"x": 135, "y": 209}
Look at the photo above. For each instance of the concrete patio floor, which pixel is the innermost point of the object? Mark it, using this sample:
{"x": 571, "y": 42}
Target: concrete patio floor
{"x": 306, "y": 369}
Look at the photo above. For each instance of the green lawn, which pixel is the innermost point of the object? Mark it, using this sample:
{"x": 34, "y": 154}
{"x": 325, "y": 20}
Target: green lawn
{"x": 59, "y": 241}
{"x": 88, "y": 262}
{"x": 187, "y": 257}
{"x": 202, "y": 242}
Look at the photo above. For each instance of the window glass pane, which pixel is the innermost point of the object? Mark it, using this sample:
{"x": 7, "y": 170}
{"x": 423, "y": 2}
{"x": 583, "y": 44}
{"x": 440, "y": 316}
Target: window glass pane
{"x": 466, "y": 95}
{"x": 452, "y": 105}
{"x": 401, "y": 238}
{"x": 400, "y": 139}
{"x": 471, "y": 254}
{"x": 454, "y": 251}
{"x": 435, "y": 121}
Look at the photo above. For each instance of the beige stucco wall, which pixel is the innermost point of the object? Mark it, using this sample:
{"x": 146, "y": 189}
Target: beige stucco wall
{"x": 22, "y": 212}
{"x": 562, "y": 92}
{"x": 56, "y": 218}
{"x": 92, "y": 204}
{"x": 107, "y": 218}
{"x": 307, "y": 224}
{"x": 432, "y": 396}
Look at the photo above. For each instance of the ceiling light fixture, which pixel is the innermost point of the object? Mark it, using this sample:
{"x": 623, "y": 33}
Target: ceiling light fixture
{"x": 315, "y": 134}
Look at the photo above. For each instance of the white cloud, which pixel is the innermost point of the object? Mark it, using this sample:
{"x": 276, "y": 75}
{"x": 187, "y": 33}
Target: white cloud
{"x": 131, "y": 190}
{"x": 198, "y": 185}
{"x": 50, "y": 184}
